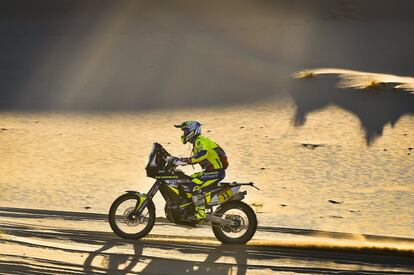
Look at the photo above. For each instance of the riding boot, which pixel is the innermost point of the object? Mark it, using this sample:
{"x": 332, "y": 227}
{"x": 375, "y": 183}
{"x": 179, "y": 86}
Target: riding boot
{"x": 200, "y": 207}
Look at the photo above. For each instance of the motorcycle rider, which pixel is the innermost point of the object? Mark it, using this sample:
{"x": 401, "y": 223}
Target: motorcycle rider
{"x": 211, "y": 158}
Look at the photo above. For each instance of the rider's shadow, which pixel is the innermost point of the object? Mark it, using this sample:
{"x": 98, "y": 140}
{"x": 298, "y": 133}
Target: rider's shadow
{"x": 116, "y": 263}
{"x": 236, "y": 252}
{"x": 112, "y": 263}
{"x": 236, "y": 261}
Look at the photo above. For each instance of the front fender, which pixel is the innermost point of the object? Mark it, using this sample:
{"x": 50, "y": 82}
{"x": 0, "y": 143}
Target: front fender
{"x": 132, "y": 192}
{"x": 142, "y": 197}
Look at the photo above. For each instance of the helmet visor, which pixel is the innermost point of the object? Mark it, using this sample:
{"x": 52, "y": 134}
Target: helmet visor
{"x": 186, "y": 131}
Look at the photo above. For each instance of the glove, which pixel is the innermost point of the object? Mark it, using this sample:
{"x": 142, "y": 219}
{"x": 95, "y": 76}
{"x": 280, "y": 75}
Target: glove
{"x": 187, "y": 161}
{"x": 181, "y": 161}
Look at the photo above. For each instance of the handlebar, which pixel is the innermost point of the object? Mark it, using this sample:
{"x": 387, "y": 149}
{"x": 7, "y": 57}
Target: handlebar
{"x": 168, "y": 163}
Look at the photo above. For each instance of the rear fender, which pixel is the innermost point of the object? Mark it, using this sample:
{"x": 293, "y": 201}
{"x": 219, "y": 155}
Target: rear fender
{"x": 237, "y": 197}
{"x": 224, "y": 196}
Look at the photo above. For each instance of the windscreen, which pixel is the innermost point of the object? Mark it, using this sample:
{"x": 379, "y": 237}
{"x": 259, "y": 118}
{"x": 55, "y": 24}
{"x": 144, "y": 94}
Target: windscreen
{"x": 151, "y": 157}
{"x": 156, "y": 160}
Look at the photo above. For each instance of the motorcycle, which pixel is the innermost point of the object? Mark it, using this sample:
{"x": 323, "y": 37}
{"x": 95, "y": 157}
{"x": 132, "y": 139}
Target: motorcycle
{"x": 132, "y": 215}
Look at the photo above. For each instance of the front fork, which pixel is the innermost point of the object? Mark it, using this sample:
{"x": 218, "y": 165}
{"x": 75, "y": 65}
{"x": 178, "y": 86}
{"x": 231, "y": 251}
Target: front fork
{"x": 145, "y": 198}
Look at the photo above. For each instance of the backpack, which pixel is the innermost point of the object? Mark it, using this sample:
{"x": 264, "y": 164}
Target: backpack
{"x": 222, "y": 156}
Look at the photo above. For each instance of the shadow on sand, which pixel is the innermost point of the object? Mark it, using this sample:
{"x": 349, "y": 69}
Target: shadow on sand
{"x": 374, "y": 108}
{"x": 105, "y": 253}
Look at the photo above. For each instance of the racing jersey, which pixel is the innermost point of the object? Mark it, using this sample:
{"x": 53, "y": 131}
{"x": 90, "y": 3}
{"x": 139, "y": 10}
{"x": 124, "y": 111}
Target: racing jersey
{"x": 208, "y": 154}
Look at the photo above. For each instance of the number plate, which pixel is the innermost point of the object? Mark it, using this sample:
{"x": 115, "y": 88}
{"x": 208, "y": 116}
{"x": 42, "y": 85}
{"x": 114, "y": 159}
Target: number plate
{"x": 225, "y": 195}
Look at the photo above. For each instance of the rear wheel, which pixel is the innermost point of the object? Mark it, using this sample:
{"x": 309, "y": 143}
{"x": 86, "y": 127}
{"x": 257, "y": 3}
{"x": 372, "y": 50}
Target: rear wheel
{"x": 244, "y": 218}
{"x": 125, "y": 223}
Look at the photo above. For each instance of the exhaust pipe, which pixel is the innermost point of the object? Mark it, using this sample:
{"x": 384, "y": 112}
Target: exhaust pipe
{"x": 215, "y": 219}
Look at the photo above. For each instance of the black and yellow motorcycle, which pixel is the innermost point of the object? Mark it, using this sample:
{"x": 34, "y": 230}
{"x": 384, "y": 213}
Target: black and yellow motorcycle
{"x": 132, "y": 215}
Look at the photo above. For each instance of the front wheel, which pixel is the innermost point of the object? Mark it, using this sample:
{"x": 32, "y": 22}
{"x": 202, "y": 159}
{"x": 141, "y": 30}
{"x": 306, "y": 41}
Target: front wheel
{"x": 245, "y": 219}
{"x": 125, "y": 223}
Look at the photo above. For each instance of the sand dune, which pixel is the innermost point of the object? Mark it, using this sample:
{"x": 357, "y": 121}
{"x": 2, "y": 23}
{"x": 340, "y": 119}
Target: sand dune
{"x": 145, "y": 55}
{"x": 362, "y": 80}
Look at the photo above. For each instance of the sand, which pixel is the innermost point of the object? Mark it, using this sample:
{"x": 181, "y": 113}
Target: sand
{"x": 61, "y": 171}
{"x": 82, "y": 162}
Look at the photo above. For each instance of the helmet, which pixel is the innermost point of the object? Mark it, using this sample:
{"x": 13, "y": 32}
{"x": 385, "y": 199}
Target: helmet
{"x": 191, "y": 129}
